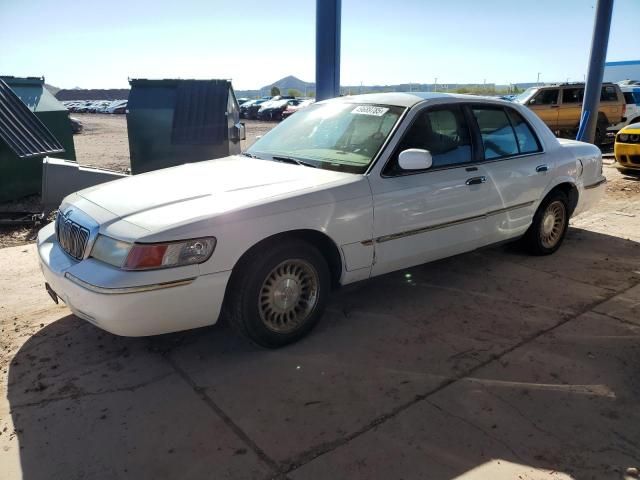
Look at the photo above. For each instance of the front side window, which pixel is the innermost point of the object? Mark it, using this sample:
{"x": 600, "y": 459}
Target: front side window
{"x": 546, "y": 97}
{"x": 498, "y": 137}
{"x": 333, "y": 136}
{"x": 443, "y": 132}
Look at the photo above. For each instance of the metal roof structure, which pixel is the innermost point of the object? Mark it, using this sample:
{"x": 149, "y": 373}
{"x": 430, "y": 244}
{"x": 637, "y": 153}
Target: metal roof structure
{"x": 21, "y": 130}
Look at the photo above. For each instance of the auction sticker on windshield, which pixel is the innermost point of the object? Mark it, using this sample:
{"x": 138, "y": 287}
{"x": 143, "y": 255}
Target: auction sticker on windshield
{"x": 370, "y": 110}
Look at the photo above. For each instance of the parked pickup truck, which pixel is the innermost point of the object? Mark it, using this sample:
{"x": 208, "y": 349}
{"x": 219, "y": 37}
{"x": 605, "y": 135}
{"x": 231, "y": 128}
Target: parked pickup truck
{"x": 344, "y": 190}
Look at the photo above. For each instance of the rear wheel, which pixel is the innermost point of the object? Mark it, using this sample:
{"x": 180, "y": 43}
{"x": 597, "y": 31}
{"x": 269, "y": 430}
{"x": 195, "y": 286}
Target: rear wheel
{"x": 549, "y": 226}
{"x": 276, "y": 298}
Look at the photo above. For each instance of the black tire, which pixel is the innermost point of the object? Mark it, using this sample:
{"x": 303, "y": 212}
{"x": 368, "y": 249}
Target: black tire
{"x": 268, "y": 313}
{"x": 541, "y": 240}
{"x": 599, "y": 137}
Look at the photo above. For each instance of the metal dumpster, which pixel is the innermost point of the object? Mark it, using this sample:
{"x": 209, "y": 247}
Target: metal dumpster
{"x": 171, "y": 122}
{"x": 33, "y": 125}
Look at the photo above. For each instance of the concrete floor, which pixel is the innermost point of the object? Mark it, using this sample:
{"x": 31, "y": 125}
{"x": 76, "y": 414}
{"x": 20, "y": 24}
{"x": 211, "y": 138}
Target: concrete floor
{"x": 491, "y": 365}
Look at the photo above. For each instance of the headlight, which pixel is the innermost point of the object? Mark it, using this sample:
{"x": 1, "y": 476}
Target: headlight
{"x": 111, "y": 251}
{"x": 623, "y": 137}
{"x": 165, "y": 255}
{"x": 136, "y": 256}
{"x": 634, "y": 137}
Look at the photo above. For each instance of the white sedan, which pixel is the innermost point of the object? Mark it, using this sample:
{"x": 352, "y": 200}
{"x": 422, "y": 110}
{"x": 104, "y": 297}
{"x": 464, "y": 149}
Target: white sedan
{"x": 344, "y": 190}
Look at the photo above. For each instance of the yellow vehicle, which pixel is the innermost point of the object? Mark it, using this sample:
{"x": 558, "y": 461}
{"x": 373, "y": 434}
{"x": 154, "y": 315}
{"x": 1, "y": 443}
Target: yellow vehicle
{"x": 627, "y": 149}
{"x": 560, "y": 107}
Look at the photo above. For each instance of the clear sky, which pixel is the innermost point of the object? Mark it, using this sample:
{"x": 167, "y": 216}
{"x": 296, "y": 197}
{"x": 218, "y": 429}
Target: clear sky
{"x": 99, "y": 43}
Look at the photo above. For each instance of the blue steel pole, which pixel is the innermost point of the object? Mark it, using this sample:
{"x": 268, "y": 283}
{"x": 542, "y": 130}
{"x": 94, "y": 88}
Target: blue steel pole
{"x": 328, "y": 48}
{"x": 599, "y": 42}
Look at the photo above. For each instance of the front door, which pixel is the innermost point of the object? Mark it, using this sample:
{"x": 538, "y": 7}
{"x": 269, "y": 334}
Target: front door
{"x": 545, "y": 105}
{"x": 570, "y": 109}
{"x": 424, "y": 215}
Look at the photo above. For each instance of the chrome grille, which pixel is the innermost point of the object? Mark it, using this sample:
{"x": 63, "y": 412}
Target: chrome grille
{"x": 72, "y": 237}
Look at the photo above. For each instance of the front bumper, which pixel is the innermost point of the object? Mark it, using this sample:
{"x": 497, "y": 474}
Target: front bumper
{"x": 627, "y": 155}
{"x": 151, "y": 306}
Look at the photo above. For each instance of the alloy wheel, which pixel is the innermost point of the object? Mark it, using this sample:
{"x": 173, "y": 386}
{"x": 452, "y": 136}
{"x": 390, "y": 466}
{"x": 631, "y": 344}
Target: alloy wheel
{"x": 288, "y": 295}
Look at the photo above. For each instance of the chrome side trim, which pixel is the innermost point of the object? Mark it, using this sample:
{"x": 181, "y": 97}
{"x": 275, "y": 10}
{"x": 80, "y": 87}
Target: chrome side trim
{"x": 507, "y": 209}
{"x": 595, "y": 185}
{"x": 125, "y": 290}
{"x": 417, "y": 231}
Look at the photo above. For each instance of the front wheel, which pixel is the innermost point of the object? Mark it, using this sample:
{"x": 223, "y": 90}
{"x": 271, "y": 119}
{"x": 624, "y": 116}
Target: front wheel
{"x": 276, "y": 297}
{"x": 549, "y": 226}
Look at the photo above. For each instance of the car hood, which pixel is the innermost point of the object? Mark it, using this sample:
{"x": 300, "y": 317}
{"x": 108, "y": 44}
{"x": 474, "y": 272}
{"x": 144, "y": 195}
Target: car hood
{"x": 206, "y": 189}
{"x": 631, "y": 128}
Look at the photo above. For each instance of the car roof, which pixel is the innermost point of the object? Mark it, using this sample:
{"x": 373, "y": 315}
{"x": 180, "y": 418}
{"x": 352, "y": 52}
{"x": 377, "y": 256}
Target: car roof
{"x": 409, "y": 99}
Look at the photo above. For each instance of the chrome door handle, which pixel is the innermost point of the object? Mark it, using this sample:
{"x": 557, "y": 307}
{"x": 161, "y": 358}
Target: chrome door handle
{"x": 476, "y": 180}
{"x": 542, "y": 168}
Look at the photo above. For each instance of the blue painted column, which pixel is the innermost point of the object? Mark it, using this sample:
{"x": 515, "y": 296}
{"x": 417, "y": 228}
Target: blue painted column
{"x": 328, "y": 14}
{"x": 599, "y": 43}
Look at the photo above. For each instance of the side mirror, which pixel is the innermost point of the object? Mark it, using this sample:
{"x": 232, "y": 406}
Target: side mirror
{"x": 415, "y": 159}
{"x": 238, "y": 132}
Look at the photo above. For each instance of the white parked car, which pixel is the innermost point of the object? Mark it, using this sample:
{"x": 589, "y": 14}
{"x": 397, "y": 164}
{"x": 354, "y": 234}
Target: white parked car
{"x": 631, "y": 92}
{"x": 344, "y": 190}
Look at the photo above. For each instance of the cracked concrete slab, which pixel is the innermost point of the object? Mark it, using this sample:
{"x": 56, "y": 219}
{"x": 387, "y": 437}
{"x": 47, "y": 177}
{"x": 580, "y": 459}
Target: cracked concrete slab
{"x": 382, "y": 344}
{"x": 71, "y": 358}
{"x": 406, "y": 376}
{"x": 159, "y": 430}
{"x": 585, "y": 257}
{"x": 561, "y": 406}
{"x": 625, "y": 307}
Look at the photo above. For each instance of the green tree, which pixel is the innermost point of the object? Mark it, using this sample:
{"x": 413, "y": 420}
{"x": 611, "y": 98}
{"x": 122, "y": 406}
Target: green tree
{"x": 275, "y": 91}
{"x": 311, "y": 93}
{"x": 293, "y": 92}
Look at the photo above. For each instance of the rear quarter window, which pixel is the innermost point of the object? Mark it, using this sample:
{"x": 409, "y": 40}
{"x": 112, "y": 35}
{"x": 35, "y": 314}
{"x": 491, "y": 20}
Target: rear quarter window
{"x": 608, "y": 94}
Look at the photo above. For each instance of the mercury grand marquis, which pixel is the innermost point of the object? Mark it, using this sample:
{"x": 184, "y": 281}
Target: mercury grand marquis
{"x": 344, "y": 190}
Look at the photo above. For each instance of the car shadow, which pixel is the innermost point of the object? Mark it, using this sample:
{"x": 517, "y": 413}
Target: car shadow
{"x": 87, "y": 404}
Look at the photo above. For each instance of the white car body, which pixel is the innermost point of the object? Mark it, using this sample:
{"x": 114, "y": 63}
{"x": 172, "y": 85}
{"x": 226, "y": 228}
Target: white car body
{"x": 377, "y": 224}
{"x": 632, "y": 113}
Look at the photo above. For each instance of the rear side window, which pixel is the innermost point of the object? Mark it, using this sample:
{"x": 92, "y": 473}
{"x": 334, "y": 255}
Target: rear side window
{"x": 608, "y": 94}
{"x": 527, "y": 140}
{"x": 572, "y": 95}
{"x": 628, "y": 98}
{"x": 498, "y": 137}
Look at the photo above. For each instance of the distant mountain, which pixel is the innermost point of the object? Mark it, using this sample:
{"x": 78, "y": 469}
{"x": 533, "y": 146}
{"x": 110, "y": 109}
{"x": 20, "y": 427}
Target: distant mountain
{"x": 284, "y": 85}
{"x": 290, "y": 82}
{"x": 308, "y": 88}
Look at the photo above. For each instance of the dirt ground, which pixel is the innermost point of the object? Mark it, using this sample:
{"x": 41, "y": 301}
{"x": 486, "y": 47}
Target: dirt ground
{"x": 490, "y": 365}
{"x": 104, "y": 142}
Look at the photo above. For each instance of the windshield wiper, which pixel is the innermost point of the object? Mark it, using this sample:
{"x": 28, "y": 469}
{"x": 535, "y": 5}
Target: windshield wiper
{"x": 251, "y": 155}
{"x": 295, "y": 161}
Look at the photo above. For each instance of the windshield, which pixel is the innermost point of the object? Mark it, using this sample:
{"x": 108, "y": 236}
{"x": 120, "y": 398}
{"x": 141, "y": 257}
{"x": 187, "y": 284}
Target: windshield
{"x": 526, "y": 95}
{"x": 332, "y": 136}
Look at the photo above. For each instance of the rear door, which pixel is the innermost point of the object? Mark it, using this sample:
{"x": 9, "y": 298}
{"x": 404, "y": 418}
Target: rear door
{"x": 517, "y": 170}
{"x": 611, "y": 104}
